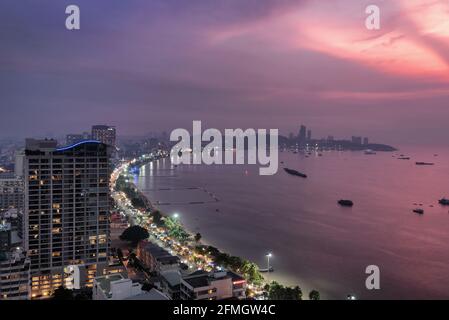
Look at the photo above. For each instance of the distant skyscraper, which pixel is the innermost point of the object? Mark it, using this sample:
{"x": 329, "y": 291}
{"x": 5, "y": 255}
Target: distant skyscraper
{"x": 77, "y": 137}
{"x": 302, "y": 134}
{"x": 309, "y": 135}
{"x": 356, "y": 140}
{"x": 365, "y": 141}
{"x": 105, "y": 134}
{"x": 66, "y": 218}
{"x": 74, "y": 138}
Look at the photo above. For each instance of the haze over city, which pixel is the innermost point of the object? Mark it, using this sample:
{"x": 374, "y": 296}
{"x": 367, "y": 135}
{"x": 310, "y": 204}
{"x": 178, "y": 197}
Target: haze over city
{"x": 157, "y": 65}
{"x": 224, "y": 150}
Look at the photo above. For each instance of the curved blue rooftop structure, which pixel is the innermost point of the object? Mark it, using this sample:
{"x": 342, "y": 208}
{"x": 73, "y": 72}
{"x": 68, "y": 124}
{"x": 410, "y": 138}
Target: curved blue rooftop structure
{"x": 78, "y": 144}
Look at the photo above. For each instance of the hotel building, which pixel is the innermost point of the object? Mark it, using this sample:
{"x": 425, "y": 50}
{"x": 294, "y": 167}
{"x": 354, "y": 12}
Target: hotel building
{"x": 104, "y": 134}
{"x": 66, "y": 220}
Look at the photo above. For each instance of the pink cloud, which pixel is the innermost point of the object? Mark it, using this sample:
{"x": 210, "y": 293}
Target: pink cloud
{"x": 337, "y": 29}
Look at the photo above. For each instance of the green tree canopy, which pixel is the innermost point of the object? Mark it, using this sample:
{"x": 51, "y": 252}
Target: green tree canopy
{"x": 134, "y": 234}
{"x": 157, "y": 218}
{"x": 63, "y": 294}
{"x": 198, "y": 237}
{"x": 279, "y": 292}
{"x": 314, "y": 295}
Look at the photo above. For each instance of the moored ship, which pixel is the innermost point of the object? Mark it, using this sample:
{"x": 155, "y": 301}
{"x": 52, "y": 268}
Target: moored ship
{"x": 346, "y": 203}
{"x": 295, "y": 173}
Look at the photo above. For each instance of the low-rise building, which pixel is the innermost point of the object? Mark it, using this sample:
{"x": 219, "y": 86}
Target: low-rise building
{"x": 221, "y": 285}
{"x": 170, "y": 283}
{"x": 117, "y": 287}
{"x": 155, "y": 258}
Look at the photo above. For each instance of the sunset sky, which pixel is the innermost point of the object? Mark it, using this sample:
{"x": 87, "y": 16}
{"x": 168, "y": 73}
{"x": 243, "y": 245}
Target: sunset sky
{"x": 150, "y": 65}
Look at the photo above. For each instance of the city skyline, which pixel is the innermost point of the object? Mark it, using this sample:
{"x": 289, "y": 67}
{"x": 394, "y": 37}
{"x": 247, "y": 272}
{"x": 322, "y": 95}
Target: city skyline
{"x": 158, "y": 65}
{"x": 224, "y": 150}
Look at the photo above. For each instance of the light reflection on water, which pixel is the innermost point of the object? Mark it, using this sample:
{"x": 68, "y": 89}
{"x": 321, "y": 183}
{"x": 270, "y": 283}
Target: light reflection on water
{"x": 316, "y": 243}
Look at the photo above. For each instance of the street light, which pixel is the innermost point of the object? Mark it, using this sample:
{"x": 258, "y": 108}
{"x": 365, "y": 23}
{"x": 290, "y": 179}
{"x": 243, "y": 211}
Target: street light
{"x": 176, "y": 216}
{"x": 269, "y": 255}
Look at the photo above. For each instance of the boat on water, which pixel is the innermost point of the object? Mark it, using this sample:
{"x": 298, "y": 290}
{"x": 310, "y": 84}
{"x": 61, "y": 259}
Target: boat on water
{"x": 271, "y": 269}
{"x": 404, "y": 158}
{"x": 424, "y": 163}
{"x": 295, "y": 173}
{"x": 444, "y": 202}
{"x": 369, "y": 151}
{"x": 346, "y": 203}
{"x": 418, "y": 211}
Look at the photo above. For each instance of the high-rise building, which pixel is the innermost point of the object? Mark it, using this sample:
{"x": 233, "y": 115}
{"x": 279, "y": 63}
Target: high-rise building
{"x": 104, "y": 134}
{"x": 302, "y": 134}
{"x": 66, "y": 218}
{"x": 75, "y": 138}
{"x": 11, "y": 192}
{"x": 365, "y": 141}
{"x": 356, "y": 140}
{"x": 309, "y": 135}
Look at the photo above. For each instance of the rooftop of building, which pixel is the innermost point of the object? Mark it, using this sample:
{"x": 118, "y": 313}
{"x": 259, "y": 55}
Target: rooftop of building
{"x": 172, "y": 277}
{"x": 46, "y": 145}
{"x": 153, "y": 294}
{"x": 198, "y": 281}
{"x": 200, "y": 278}
{"x": 104, "y": 282}
{"x": 159, "y": 253}
{"x": 102, "y": 127}
{"x": 236, "y": 277}
{"x": 168, "y": 260}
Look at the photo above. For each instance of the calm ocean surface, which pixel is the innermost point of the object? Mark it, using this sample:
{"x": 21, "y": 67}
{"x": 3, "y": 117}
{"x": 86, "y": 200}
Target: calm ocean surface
{"x": 315, "y": 243}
